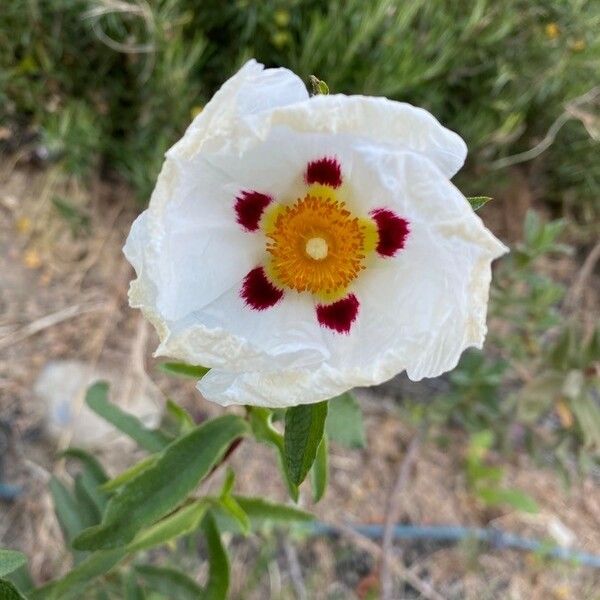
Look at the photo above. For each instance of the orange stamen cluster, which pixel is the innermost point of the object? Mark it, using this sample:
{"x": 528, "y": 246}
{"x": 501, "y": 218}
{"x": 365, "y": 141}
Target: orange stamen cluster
{"x": 316, "y": 244}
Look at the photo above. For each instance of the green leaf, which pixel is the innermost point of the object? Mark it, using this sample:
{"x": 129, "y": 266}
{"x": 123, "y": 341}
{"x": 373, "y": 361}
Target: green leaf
{"x": 120, "y": 480}
{"x": 561, "y": 352}
{"x": 132, "y": 589}
{"x": 81, "y": 576}
{"x": 21, "y": 579}
{"x": 92, "y": 489}
{"x": 91, "y": 500}
{"x": 218, "y": 569}
{"x": 9, "y": 592}
{"x": 97, "y": 399}
{"x": 160, "y": 488}
{"x": 319, "y": 473}
{"x": 90, "y": 463}
{"x": 67, "y": 510}
{"x": 76, "y": 219}
{"x": 515, "y": 498}
{"x": 586, "y": 411}
{"x": 228, "y": 483}
{"x": 183, "y": 369}
{"x": 263, "y": 430}
{"x": 90, "y": 514}
{"x": 319, "y": 87}
{"x": 10, "y": 560}
{"x": 174, "y": 584}
{"x": 477, "y": 202}
{"x": 591, "y": 351}
{"x": 183, "y": 522}
{"x": 230, "y": 505}
{"x": 304, "y": 426}
{"x": 344, "y": 421}
{"x": 236, "y": 512}
{"x": 93, "y": 476}
{"x": 261, "y": 511}
{"x": 179, "y": 417}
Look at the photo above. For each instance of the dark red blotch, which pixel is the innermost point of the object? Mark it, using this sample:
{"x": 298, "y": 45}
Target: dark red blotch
{"x": 249, "y": 207}
{"x": 339, "y": 315}
{"x": 326, "y": 170}
{"x": 258, "y": 292}
{"x": 393, "y": 231}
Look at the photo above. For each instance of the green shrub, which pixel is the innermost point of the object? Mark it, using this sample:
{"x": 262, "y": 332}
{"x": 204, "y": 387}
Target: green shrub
{"x": 114, "y": 84}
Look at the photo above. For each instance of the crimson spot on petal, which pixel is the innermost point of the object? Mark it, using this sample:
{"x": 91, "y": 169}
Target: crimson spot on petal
{"x": 249, "y": 207}
{"x": 392, "y": 231}
{"x": 258, "y": 292}
{"x": 340, "y": 315}
{"x": 326, "y": 171}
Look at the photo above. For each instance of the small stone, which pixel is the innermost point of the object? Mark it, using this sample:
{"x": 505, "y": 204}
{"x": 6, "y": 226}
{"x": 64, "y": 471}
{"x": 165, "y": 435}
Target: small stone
{"x": 62, "y": 386}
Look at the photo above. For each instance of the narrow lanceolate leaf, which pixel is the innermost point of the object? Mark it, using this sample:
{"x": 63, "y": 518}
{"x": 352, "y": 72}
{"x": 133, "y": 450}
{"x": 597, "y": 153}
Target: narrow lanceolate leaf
{"x": 132, "y": 589}
{"x": 89, "y": 462}
{"x": 72, "y": 584}
{"x": 263, "y": 430}
{"x": 261, "y": 511}
{"x": 174, "y": 584}
{"x": 304, "y": 426}
{"x": 9, "y": 592}
{"x": 160, "y": 488}
{"x": 92, "y": 477}
{"x": 184, "y": 370}
{"x": 67, "y": 509}
{"x": 228, "y": 483}
{"x": 10, "y": 560}
{"x": 122, "y": 478}
{"x": 236, "y": 512}
{"x": 218, "y": 568}
{"x": 183, "y": 522}
{"x": 97, "y": 399}
{"x": 344, "y": 421}
{"x": 319, "y": 474}
{"x": 88, "y": 509}
{"x": 229, "y": 505}
{"x": 179, "y": 417}
{"x": 477, "y": 202}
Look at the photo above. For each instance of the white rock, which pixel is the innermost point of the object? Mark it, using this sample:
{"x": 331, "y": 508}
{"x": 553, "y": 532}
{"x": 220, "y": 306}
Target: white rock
{"x": 62, "y": 385}
{"x": 560, "y": 533}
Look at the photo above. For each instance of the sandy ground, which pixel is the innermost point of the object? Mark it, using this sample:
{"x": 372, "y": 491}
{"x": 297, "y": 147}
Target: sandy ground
{"x": 63, "y": 296}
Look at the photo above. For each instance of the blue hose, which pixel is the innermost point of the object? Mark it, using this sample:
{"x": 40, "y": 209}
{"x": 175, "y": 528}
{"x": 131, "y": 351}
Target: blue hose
{"x": 450, "y": 533}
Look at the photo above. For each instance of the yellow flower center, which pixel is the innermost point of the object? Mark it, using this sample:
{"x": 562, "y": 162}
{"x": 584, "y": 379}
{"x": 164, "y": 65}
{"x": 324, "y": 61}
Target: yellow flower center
{"x": 316, "y": 244}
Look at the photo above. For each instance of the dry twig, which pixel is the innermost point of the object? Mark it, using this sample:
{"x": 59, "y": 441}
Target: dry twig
{"x": 576, "y": 290}
{"x": 393, "y": 514}
{"x": 572, "y": 111}
{"x": 295, "y": 570}
{"x": 49, "y": 321}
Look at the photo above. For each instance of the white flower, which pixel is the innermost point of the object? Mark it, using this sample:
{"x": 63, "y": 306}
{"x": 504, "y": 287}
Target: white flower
{"x": 304, "y": 246}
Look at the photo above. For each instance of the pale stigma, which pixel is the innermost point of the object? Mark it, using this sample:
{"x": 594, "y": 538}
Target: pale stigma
{"x": 316, "y": 248}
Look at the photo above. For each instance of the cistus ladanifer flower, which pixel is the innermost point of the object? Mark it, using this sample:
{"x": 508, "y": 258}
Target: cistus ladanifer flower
{"x": 301, "y": 246}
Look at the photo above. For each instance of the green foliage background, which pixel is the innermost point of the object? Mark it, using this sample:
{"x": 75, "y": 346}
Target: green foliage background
{"x": 112, "y": 84}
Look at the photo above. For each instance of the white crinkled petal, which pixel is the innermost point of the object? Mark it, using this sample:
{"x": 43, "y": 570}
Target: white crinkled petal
{"x": 398, "y": 125}
{"x": 253, "y": 90}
